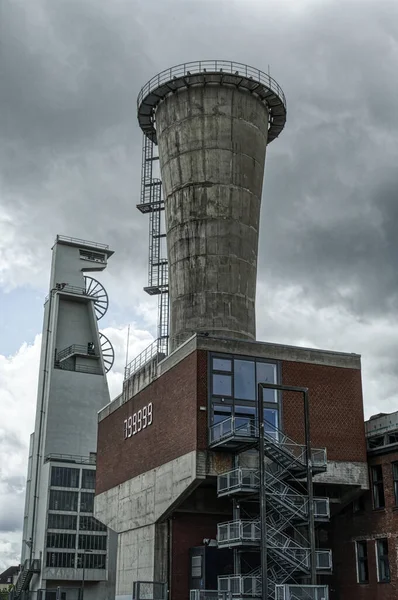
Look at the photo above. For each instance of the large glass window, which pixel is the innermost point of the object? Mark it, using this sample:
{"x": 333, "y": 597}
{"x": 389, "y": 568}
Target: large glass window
{"x": 244, "y": 380}
{"x": 88, "y": 479}
{"x": 236, "y": 380}
{"x": 65, "y": 477}
{"x": 61, "y": 540}
{"x": 92, "y": 542}
{"x": 56, "y": 521}
{"x": 362, "y": 562}
{"x": 60, "y": 559}
{"x": 63, "y": 500}
{"x": 90, "y": 524}
{"x": 383, "y": 565}
{"x": 86, "y": 502}
{"x": 377, "y": 486}
{"x": 92, "y": 561}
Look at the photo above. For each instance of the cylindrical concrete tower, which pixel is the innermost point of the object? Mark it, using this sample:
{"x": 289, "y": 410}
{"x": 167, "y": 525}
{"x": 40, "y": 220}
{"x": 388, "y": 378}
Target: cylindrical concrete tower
{"x": 212, "y": 121}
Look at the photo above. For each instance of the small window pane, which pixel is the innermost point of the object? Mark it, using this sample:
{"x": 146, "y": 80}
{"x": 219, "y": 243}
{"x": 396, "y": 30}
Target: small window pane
{"x": 244, "y": 380}
{"x": 383, "y": 566}
{"x": 86, "y": 502}
{"x": 65, "y": 477}
{"x": 222, "y": 385}
{"x": 56, "y": 521}
{"x": 63, "y": 500}
{"x": 222, "y": 364}
{"x": 271, "y": 421}
{"x": 266, "y": 373}
{"x": 221, "y": 412}
{"x": 88, "y": 479}
{"x": 362, "y": 562}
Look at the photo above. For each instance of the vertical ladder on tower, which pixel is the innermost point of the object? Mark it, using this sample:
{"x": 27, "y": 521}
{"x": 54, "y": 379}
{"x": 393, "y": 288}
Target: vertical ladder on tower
{"x": 152, "y": 203}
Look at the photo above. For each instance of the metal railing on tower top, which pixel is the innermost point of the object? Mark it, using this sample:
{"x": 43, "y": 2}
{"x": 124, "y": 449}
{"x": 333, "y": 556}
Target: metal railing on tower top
{"x": 200, "y": 66}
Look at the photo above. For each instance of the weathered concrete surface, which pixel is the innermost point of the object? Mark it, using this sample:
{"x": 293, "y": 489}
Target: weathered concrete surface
{"x": 212, "y": 143}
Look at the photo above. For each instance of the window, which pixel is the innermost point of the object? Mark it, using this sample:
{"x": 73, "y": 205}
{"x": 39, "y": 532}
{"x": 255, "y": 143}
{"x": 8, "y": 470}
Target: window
{"x": 63, "y": 500}
{"x": 377, "y": 486}
{"x": 395, "y": 477}
{"x": 91, "y": 524}
{"x": 222, "y": 384}
{"x": 92, "y": 542}
{"x": 86, "y": 502}
{"x": 60, "y": 559}
{"x": 393, "y": 438}
{"x": 383, "y": 566}
{"x": 61, "y": 521}
{"x": 88, "y": 479}
{"x": 244, "y": 380}
{"x": 222, "y": 364}
{"x": 266, "y": 373}
{"x": 65, "y": 477}
{"x": 92, "y": 561}
{"x": 61, "y": 540}
{"x": 245, "y": 420}
{"x": 375, "y": 441}
{"x": 271, "y": 422}
{"x": 362, "y": 562}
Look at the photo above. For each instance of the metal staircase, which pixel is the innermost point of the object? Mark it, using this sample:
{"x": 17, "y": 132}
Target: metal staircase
{"x": 288, "y": 544}
{"x": 30, "y": 567}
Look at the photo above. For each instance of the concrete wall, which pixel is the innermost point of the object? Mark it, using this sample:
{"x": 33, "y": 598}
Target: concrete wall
{"x": 133, "y": 508}
{"x": 212, "y": 142}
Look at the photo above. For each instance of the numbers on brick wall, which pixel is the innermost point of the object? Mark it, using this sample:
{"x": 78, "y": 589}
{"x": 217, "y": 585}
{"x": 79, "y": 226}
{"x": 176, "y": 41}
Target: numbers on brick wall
{"x": 138, "y": 421}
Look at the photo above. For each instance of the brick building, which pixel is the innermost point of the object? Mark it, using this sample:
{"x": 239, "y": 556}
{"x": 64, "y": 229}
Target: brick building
{"x": 159, "y": 455}
{"x": 365, "y": 534}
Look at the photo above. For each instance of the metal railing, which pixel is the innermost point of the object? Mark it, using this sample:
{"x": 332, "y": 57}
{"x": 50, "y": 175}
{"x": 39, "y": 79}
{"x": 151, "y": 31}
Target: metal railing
{"x": 211, "y": 66}
{"x": 92, "y": 370}
{"x": 240, "y": 585}
{"x": 301, "y": 592}
{"x": 76, "y": 349}
{"x": 66, "y": 238}
{"x": 241, "y": 531}
{"x": 233, "y": 427}
{"x": 71, "y": 289}
{"x": 244, "y": 479}
{"x": 239, "y": 479}
{"x": 73, "y": 458}
{"x": 209, "y": 595}
{"x": 157, "y": 349}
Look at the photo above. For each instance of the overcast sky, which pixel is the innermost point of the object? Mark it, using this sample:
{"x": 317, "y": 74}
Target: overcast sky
{"x": 70, "y": 152}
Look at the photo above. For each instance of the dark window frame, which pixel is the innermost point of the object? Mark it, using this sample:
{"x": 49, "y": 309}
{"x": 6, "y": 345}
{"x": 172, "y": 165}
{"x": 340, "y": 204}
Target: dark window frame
{"x": 378, "y": 495}
{"x": 362, "y": 561}
{"x": 216, "y": 399}
{"x": 382, "y": 560}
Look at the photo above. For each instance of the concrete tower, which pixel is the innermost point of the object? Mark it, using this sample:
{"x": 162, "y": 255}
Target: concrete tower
{"x": 212, "y": 121}
{"x": 63, "y": 544}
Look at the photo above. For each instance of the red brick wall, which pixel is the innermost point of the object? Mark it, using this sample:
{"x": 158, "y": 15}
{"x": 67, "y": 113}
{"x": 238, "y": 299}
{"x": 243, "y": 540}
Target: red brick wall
{"x": 336, "y": 409}
{"x": 189, "y": 530}
{"x": 175, "y": 398}
{"x": 368, "y": 524}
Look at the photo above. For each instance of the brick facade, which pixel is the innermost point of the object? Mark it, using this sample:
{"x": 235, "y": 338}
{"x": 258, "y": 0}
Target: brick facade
{"x": 176, "y": 397}
{"x": 188, "y": 530}
{"x": 366, "y": 524}
{"x": 180, "y": 417}
{"x": 336, "y": 411}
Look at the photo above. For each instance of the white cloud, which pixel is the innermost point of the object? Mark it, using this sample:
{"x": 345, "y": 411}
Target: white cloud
{"x": 18, "y": 391}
